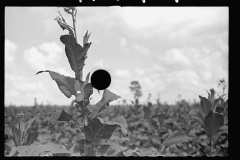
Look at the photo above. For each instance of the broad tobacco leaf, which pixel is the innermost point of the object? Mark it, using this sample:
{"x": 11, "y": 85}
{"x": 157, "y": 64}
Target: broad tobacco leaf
{"x": 67, "y": 85}
{"x": 213, "y": 122}
{"x": 98, "y": 129}
{"x": 76, "y": 54}
{"x": 175, "y": 138}
{"x": 108, "y": 97}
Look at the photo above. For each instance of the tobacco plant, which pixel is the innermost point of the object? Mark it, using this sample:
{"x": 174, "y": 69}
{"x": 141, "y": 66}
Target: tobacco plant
{"x": 212, "y": 114}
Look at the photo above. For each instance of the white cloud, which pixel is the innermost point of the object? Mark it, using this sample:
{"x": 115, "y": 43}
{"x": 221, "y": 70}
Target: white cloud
{"x": 173, "y": 22}
{"x": 29, "y": 86}
{"x": 174, "y": 56}
{"x": 206, "y": 75}
{"x": 158, "y": 67}
{"x": 121, "y": 73}
{"x": 52, "y": 48}
{"x": 42, "y": 61}
{"x": 12, "y": 93}
{"x": 186, "y": 77}
{"x": 10, "y": 48}
{"x": 100, "y": 64}
{"x": 142, "y": 49}
{"x": 139, "y": 71}
{"x": 222, "y": 45}
{"x": 123, "y": 41}
{"x": 24, "y": 83}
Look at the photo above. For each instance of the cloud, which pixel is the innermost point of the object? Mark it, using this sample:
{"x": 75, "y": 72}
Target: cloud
{"x": 121, "y": 73}
{"x": 158, "y": 67}
{"x": 142, "y": 49}
{"x": 174, "y": 22}
{"x": 174, "y": 57}
{"x": 42, "y": 61}
{"x": 23, "y": 83}
{"x": 100, "y": 64}
{"x": 10, "y": 49}
{"x": 29, "y": 86}
{"x": 222, "y": 45}
{"x": 123, "y": 43}
{"x": 139, "y": 71}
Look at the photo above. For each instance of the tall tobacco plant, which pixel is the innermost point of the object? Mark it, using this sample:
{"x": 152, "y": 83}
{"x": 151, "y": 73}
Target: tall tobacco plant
{"x": 93, "y": 129}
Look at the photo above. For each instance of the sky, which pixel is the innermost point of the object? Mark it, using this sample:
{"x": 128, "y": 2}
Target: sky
{"x": 170, "y": 51}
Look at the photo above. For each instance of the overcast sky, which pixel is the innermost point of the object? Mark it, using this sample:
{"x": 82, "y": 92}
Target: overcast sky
{"x": 170, "y": 51}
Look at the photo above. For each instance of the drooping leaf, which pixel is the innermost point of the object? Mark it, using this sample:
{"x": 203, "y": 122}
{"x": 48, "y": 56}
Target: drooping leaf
{"x": 63, "y": 25}
{"x": 75, "y": 54}
{"x": 175, "y": 138}
{"x": 67, "y": 9}
{"x": 64, "y": 116}
{"x": 213, "y": 121}
{"x": 107, "y": 97}
{"x": 65, "y": 84}
{"x": 205, "y": 105}
{"x": 31, "y": 138}
{"x": 197, "y": 115}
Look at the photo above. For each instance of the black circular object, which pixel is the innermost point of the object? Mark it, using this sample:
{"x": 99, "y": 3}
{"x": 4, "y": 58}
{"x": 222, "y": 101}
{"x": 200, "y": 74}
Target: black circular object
{"x": 100, "y": 79}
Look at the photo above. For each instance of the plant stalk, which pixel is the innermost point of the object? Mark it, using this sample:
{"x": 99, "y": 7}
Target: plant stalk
{"x": 74, "y": 21}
